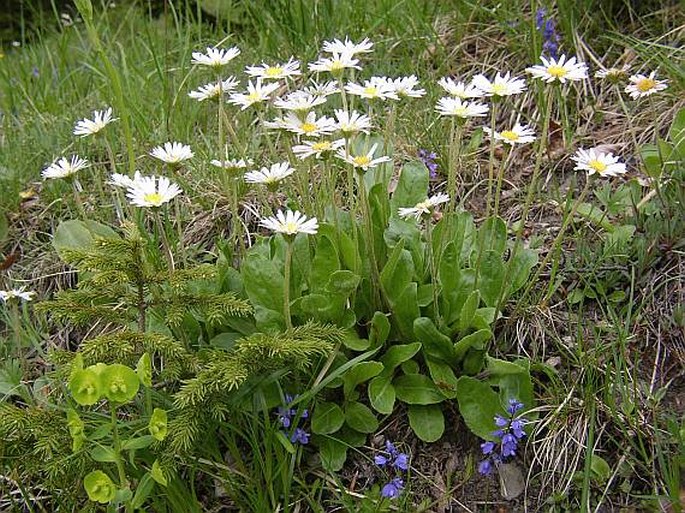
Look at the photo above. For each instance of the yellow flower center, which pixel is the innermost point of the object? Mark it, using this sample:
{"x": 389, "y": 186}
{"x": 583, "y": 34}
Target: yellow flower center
{"x": 597, "y": 165}
{"x": 321, "y": 146}
{"x": 254, "y": 96}
{"x": 290, "y": 227}
{"x": 645, "y": 84}
{"x": 336, "y": 65}
{"x": 510, "y": 135}
{"x": 460, "y": 111}
{"x": 308, "y": 128}
{"x": 423, "y": 206}
{"x": 273, "y": 71}
{"x": 557, "y": 71}
{"x": 154, "y": 198}
{"x": 371, "y": 91}
{"x": 499, "y": 89}
{"x": 362, "y": 160}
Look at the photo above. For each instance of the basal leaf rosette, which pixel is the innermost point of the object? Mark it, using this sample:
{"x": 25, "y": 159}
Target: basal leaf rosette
{"x": 85, "y": 386}
{"x": 158, "y": 424}
{"x": 99, "y": 487}
{"x": 119, "y": 383}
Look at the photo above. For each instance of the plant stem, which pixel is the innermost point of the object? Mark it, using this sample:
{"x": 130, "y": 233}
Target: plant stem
{"x": 491, "y": 159}
{"x": 500, "y": 177}
{"x": 434, "y": 271}
{"x": 165, "y": 241}
{"x": 77, "y": 195}
{"x": 123, "y": 482}
{"x": 371, "y": 247}
{"x": 453, "y": 161}
{"x": 286, "y": 281}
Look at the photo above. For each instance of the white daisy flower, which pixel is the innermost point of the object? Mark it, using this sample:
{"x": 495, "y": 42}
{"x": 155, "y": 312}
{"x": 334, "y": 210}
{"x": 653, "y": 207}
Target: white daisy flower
{"x": 172, "y": 152}
{"x": 363, "y": 162}
{"x": 101, "y": 118}
{"x": 310, "y": 126}
{"x": 316, "y": 148}
{"x": 613, "y": 74}
{"x": 322, "y": 89}
{"x": 561, "y": 70}
{"x": 520, "y": 134}
{"x": 62, "y": 168}
{"x": 275, "y": 72}
{"x": 151, "y": 191}
{"x": 335, "y": 64}
{"x": 270, "y": 175}
{"x": 20, "y": 293}
{"x": 337, "y": 46}
{"x": 299, "y": 101}
{"x": 374, "y": 88}
{"x": 215, "y": 57}
{"x": 595, "y": 161}
{"x": 124, "y": 181}
{"x": 424, "y": 207}
{"x": 460, "y": 89}
{"x": 404, "y": 87}
{"x": 453, "y": 106}
{"x": 291, "y": 223}
{"x": 214, "y": 89}
{"x": 350, "y": 123}
{"x": 641, "y": 85}
{"x": 502, "y": 85}
{"x": 256, "y": 93}
{"x": 232, "y": 164}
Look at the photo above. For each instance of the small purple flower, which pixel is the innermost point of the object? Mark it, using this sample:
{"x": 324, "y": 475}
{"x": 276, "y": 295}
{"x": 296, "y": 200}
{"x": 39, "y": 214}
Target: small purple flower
{"x": 380, "y": 460}
{"x": 550, "y": 37}
{"x": 514, "y": 406}
{"x": 300, "y": 436}
{"x": 540, "y": 17}
{"x": 390, "y": 447}
{"x": 501, "y": 421}
{"x": 509, "y": 445}
{"x": 428, "y": 158}
{"x": 485, "y": 467}
{"x": 401, "y": 462}
{"x": 487, "y": 447}
{"x": 517, "y": 428}
{"x": 393, "y": 489}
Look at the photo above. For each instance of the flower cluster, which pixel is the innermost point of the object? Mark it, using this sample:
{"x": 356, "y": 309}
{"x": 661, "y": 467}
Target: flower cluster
{"x": 286, "y": 415}
{"x": 428, "y": 158}
{"x": 550, "y": 38}
{"x": 509, "y": 434}
{"x": 395, "y": 461}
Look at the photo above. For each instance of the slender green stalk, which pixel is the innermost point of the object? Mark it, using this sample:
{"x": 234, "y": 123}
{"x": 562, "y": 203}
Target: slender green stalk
{"x": 165, "y": 241}
{"x": 453, "y": 161}
{"x": 77, "y": 196}
{"x": 371, "y": 246}
{"x": 123, "y": 482}
{"x": 16, "y": 331}
{"x": 500, "y": 177}
{"x": 491, "y": 158}
{"x": 657, "y": 186}
{"x": 286, "y": 281}
{"x": 433, "y": 270}
{"x": 236, "y": 228}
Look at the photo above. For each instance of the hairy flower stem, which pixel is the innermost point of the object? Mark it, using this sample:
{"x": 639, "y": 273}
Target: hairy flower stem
{"x": 220, "y": 116}
{"x": 123, "y": 482}
{"x": 286, "y": 281}
{"x": 454, "y": 157}
{"x": 565, "y": 124}
{"x": 371, "y": 247}
{"x": 16, "y": 334}
{"x": 165, "y": 241}
{"x": 236, "y": 225}
{"x": 433, "y": 270}
{"x": 77, "y": 196}
{"x": 500, "y": 177}
{"x": 491, "y": 159}
{"x": 113, "y": 169}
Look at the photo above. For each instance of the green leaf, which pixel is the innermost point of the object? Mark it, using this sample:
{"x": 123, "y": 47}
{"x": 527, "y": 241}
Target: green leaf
{"x": 342, "y": 283}
{"x": 595, "y": 215}
{"x": 103, "y": 454}
{"x": 676, "y": 134}
{"x": 473, "y": 340}
{"x": 478, "y": 405}
{"x": 122, "y": 495}
{"x": 512, "y": 379}
{"x": 143, "y": 490}
{"x": 85, "y": 386}
{"x": 443, "y": 377}
{"x": 327, "y": 418}
{"x": 434, "y": 343}
{"x": 144, "y": 370}
{"x": 75, "y": 234}
{"x": 333, "y": 454}
{"x": 468, "y": 311}
{"x": 491, "y": 277}
{"x": 360, "y": 417}
{"x": 412, "y": 187}
{"x": 285, "y": 442}
{"x": 99, "y": 487}
{"x": 140, "y": 442}
{"x": 352, "y": 341}
{"x": 652, "y": 160}
{"x": 397, "y": 354}
{"x": 397, "y": 272}
{"x": 158, "y": 424}
{"x": 380, "y": 329}
{"x": 119, "y": 383}
{"x": 601, "y": 470}
{"x": 406, "y": 309}
{"x": 360, "y": 373}
{"x": 417, "y": 389}
{"x": 427, "y": 421}
{"x": 263, "y": 281}
{"x": 520, "y": 267}
{"x": 157, "y": 474}
{"x": 382, "y": 394}
{"x": 324, "y": 264}
{"x": 492, "y": 236}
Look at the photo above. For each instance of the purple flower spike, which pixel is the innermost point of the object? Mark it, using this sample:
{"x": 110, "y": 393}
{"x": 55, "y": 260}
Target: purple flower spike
{"x": 501, "y": 421}
{"x": 300, "y": 436}
{"x": 485, "y": 467}
{"x": 401, "y": 462}
{"x": 393, "y": 489}
{"x": 487, "y": 447}
{"x": 514, "y": 406}
{"x": 380, "y": 460}
{"x": 517, "y": 428}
